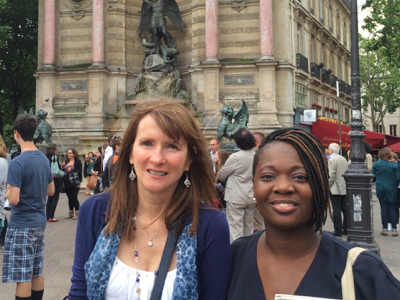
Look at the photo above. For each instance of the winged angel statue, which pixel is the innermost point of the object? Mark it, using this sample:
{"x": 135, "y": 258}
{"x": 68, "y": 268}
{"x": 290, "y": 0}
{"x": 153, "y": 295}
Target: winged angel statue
{"x": 153, "y": 16}
{"x": 225, "y": 127}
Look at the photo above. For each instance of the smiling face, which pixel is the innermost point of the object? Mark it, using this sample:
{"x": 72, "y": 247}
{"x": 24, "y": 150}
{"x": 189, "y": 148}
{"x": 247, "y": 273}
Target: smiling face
{"x": 159, "y": 161}
{"x": 281, "y": 188}
{"x": 70, "y": 154}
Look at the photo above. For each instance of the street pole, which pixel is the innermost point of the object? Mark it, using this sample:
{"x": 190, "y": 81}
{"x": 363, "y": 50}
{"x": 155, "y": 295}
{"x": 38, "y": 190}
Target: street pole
{"x": 340, "y": 129}
{"x": 358, "y": 179}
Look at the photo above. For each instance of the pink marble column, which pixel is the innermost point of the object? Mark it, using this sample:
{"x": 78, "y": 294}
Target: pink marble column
{"x": 266, "y": 37}
{"x": 212, "y": 31}
{"x": 49, "y": 33}
{"x": 98, "y": 34}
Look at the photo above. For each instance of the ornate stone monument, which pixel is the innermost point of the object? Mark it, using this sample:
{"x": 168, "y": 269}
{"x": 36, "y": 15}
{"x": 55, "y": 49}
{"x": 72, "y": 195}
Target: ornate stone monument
{"x": 99, "y": 58}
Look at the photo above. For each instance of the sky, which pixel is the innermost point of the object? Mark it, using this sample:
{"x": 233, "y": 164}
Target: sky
{"x": 361, "y": 15}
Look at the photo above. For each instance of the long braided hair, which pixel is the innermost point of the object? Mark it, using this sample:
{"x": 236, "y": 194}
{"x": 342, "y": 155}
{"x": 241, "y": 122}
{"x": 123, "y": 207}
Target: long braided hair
{"x": 312, "y": 155}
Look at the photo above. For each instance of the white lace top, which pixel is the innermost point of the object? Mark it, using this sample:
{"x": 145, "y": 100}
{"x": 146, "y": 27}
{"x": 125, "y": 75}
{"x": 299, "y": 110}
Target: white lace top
{"x": 123, "y": 284}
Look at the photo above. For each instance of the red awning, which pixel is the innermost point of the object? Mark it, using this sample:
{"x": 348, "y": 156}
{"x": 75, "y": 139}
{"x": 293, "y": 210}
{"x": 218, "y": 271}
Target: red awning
{"x": 328, "y": 133}
{"x": 395, "y": 147}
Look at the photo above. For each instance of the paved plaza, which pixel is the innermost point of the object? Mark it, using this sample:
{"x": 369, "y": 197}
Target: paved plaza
{"x": 60, "y": 242}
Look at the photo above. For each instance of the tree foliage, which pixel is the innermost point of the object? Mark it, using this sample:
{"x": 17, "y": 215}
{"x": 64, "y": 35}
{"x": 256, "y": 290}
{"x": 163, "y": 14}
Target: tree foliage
{"x": 18, "y": 58}
{"x": 380, "y": 81}
{"x": 384, "y": 25}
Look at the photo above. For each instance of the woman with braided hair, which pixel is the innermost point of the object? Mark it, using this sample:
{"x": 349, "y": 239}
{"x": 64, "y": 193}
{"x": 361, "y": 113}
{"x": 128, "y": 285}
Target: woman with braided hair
{"x": 293, "y": 256}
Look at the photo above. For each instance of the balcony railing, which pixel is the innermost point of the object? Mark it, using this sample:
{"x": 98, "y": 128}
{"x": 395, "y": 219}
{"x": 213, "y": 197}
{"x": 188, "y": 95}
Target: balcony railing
{"x": 302, "y": 62}
{"x": 332, "y": 80}
{"x": 315, "y": 70}
{"x": 325, "y": 76}
{"x": 342, "y": 86}
{"x": 348, "y": 89}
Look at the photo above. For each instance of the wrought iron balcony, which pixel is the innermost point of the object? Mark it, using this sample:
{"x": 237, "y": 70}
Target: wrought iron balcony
{"x": 332, "y": 80}
{"x": 348, "y": 89}
{"x": 325, "y": 76}
{"x": 342, "y": 86}
{"x": 302, "y": 62}
{"x": 315, "y": 70}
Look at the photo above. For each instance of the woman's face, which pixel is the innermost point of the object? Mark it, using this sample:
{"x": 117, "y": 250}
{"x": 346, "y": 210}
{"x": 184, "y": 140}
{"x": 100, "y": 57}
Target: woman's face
{"x": 216, "y": 157}
{"x": 158, "y": 160}
{"x": 90, "y": 154}
{"x": 281, "y": 188}
{"x": 70, "y": 154}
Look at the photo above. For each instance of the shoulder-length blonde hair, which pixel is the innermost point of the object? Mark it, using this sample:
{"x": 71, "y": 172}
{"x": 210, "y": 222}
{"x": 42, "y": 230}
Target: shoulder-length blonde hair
{"x": 3, "y": 152}
{"x": 176, "y": 122}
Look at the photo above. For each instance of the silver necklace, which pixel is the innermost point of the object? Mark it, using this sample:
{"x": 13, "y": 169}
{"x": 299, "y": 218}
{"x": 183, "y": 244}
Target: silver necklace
{"x": 150, "y": 242}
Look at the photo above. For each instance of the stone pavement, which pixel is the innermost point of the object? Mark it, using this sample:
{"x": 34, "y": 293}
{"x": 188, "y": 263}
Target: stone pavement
{"x": 60, "y": 241}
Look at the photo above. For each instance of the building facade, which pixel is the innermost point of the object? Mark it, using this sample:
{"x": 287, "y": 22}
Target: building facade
{"x": 280, "y": 56}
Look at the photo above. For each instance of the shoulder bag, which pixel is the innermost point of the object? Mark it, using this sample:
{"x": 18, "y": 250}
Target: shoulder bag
{"x": 156, "y": 294}
{"x": 348, "y": 291}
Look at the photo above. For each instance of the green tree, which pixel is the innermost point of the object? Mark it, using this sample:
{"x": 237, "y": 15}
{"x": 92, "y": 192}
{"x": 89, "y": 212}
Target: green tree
{"x": 18, "y": 57}
{"x": 380, "y": 82}
{"x": 384, "y": 25}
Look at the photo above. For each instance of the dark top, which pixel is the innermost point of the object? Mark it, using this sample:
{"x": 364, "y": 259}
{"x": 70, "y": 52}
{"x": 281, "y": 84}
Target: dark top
{"x": 30, "y": 172}
{"x": 97, "y": 165}
{"x": 87, "y": 168}
{"x": 77, "y": 168}
{"x": 372, "y": 279}
{"x": 213, "y": 258}
{"x": 387, "y": 178}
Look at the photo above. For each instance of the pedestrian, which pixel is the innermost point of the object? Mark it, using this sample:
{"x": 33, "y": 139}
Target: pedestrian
{"x": 220, "y": 158}
{"x": 72, "y": 166}
{"x": 160, "y": 231}
{"x": 108, "y": 151}
{"x": 98, "y": 163}
{"x": 52, "y": 201}
{"x": 337, "y": 166}
{"x": 29, "y": 181}
{"x": 387, "y": 176}
{"x": 293, "y": 256}
{"x": 3, "y": 177}
{"x": 236, "y": 172}
{"x": 368, "y": 156}
{"x": 214, "y": 146}
{"x": 111, "y": 163}
{"x": 87, "y": 169}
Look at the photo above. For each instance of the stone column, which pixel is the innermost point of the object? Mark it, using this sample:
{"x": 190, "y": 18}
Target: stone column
{"x": 49, "y": 34}
{"x": 98, "y": 34}
{"x": 266, "y": 26}
{"x": 212, "y": 31}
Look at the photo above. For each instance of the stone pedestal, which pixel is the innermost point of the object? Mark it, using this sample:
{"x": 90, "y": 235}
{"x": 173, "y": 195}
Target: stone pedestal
{"x": 158, "y": 85}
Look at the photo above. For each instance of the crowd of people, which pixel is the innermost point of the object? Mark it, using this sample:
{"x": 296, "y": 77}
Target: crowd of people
{"x": 172, "y": 218}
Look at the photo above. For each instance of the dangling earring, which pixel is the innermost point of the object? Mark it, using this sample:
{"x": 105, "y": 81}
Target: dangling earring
{"x": 132, "y": 175}
{"x": 187, "y": 181}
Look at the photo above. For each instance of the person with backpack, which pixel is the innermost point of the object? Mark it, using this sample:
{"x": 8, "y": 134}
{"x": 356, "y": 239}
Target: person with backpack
{"x": 52, "y": 201}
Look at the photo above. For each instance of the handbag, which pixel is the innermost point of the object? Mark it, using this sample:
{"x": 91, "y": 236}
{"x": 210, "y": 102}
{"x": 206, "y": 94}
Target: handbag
{"x": 72, "y": 179}
{"x": 55, "y": 170}
{"x": 348, "y": 291}
{"x": 92, "y": 181}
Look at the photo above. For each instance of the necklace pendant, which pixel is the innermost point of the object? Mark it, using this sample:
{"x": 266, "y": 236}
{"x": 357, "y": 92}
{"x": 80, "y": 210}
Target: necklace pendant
{"x": 150, "y": 243}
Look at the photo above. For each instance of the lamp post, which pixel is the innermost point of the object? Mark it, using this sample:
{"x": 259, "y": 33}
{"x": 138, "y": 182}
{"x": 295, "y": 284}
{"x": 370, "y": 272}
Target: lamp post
{"x": 358, "y": 179}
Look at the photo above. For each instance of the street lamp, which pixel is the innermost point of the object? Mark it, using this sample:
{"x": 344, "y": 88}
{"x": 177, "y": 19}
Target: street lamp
{"x": 358, "y": 179}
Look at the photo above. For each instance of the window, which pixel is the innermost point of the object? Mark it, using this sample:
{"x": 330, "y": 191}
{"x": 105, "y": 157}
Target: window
{"x": 322, "y": 55}
{"x": 379, "y": 128}
{"x": 330, "y": 18}
{"x": 393, "y": 129}
{"x": 312, "y": 50}
{"x": 321, "y": 10}
{"x": 346, "y": 115}
{"x": 301, "y": 95}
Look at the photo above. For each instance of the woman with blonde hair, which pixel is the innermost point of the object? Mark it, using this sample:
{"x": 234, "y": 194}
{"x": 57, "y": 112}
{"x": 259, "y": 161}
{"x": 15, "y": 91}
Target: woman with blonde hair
{"x": 152, "y": 232}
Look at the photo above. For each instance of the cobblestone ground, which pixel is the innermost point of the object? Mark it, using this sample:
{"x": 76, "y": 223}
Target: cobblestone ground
{"x": 60, "y": 241}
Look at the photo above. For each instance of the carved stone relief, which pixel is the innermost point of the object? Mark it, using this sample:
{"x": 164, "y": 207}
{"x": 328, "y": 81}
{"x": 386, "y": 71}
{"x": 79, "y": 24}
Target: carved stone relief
{"x": 75, "y": 38}
{"x": 75, "y": 50}
{"x": 76, "y": 25}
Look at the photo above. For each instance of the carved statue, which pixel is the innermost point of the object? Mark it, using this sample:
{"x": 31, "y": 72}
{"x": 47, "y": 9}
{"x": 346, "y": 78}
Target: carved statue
{"x": 152, "y": 16}
{"x": 226, "y": 128}
{"x": 43, "y": 131}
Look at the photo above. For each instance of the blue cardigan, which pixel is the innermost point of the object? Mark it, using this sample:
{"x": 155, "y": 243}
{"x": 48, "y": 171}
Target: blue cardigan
{"x": 213, "y": 249}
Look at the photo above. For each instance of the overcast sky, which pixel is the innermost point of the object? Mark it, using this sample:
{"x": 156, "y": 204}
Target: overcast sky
{"x": 361, "y": 15}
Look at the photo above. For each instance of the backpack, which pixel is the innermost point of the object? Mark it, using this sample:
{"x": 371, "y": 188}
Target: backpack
{"x": 55, "y": 170}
